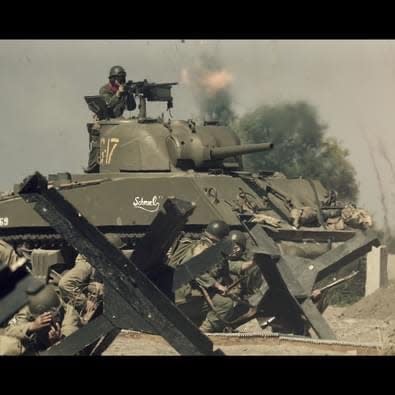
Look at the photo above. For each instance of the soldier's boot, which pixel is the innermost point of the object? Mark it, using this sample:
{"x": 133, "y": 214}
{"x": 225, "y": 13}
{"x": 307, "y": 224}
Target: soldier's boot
{"x": 10, "y": 346}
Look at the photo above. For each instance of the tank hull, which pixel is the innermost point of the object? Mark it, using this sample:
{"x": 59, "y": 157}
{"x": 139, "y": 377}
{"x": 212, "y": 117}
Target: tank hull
{"x": 131, "y": 201}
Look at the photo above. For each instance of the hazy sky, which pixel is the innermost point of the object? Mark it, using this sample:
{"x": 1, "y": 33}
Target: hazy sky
{"x": 43, "y": 113}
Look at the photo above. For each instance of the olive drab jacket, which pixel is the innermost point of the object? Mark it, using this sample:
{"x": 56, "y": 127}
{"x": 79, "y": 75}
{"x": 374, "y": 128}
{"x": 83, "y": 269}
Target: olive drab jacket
{"x": 116, "y": 104}
{"x": 19, "y": 325}
{"x": 189, "y": 249}
{"x": 219, "y": 273}
{"x": 108, "y": 92}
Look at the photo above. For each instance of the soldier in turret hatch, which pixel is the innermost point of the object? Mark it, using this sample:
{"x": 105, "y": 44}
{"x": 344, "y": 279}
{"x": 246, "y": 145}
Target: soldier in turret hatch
{"x": 114, "y": 93}
{"x": 117, "y": 99}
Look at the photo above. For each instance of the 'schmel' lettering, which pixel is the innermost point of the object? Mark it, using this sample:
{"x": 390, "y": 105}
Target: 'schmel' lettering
{"x": 146, "y": 205}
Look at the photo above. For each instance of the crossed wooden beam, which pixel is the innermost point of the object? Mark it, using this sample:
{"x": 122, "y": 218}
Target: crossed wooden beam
{"x": 131, "y": 297}
{"x": 291, "y": 279}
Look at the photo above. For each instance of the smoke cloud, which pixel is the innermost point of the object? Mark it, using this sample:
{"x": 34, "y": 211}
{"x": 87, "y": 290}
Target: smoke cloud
{"x": 211, "y": 84}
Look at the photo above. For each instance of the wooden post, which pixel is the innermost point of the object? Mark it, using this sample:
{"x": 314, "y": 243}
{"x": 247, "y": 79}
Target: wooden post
{"x": 376, "y": 269}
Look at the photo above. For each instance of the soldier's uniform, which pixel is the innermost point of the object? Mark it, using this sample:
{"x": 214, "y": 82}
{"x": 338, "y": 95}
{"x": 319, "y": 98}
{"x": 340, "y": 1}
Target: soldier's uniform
{"x": 16, "y": 341}
{"x": 11, "y": 346}
{"x": 8, "y": 256}
{"x": 76, "y": 281}
{"x": 252, "y": 277}
{"x": 190, "y": 298}
{"x": 83, "y": 279}
{"x": 115, "y": 104}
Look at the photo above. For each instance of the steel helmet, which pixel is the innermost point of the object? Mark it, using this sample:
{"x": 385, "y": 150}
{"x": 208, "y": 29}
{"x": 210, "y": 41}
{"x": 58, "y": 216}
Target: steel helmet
{"x": 44, "y": 300}
{"x": 117, "y": 71}
{"x": 239, "y": 238}
{"x": 218, "y": 229}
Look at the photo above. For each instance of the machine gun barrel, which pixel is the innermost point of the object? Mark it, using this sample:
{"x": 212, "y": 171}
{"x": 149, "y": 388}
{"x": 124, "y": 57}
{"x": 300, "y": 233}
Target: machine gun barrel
{"x": 150, "y": 90}
{"x": 233, "y": 150}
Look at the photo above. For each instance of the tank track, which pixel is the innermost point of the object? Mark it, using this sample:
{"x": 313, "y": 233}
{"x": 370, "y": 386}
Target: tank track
{"x": 35, "y": 240}
{"x": 56, "y": 241}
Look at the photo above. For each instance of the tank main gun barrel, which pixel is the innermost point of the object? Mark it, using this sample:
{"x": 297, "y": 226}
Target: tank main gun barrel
{"x": 234, "y": 150}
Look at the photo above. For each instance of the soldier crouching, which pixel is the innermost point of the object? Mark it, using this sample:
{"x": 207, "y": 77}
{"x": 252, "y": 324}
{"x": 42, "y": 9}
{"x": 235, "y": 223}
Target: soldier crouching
{"x": 207, "y": 298}
{"x": 201, "y": 298}
{"x": 43, "y": 322}
{"x": 249, "y": 275}
{"x": 79, "y": 288}
{"x": 82, "y": 287}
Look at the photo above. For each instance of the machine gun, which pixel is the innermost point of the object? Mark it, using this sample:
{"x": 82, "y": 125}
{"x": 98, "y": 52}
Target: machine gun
{"x": 150, "y": 91}
{"x": 144, "y": 90}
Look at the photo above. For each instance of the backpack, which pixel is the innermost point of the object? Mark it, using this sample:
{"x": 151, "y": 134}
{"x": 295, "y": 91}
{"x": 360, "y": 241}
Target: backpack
{"x": 182, "y": 252}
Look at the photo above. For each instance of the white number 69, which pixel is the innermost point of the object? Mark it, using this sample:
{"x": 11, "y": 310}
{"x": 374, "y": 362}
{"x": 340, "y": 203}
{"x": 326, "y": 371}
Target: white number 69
{"x": 3, "y": 221}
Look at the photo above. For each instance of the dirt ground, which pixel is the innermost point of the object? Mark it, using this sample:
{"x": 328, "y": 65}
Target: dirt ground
{"x": 376, "y": 313}
{"x": 140, "y": 344}
{"x": 370, "y": 331}
{"x": 379, "y": 305}
{"x": 370, "y": 321}
{"x": 361, "y": 330}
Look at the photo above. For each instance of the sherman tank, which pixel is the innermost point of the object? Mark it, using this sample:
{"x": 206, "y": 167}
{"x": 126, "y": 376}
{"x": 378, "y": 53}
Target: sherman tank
{"x": 142, "y": 160}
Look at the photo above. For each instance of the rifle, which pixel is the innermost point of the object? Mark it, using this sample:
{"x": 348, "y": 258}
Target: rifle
{"x": 339, "y": 281}
{"x": 228, "y": 324}
{"x": 237, "y": 282}
{"x": 287, "y": 202}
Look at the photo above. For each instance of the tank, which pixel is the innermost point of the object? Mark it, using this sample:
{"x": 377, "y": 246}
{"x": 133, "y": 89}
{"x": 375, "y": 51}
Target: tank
{"x": 143, "y": 160}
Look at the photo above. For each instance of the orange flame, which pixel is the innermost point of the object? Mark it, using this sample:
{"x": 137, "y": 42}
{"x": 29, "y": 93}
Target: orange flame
{"x": 216, "y": 80}
{"x": 210, "y": 81}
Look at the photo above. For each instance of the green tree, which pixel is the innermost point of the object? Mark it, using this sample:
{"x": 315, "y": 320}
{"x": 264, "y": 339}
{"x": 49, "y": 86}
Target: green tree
{"x": 300, "y": 146}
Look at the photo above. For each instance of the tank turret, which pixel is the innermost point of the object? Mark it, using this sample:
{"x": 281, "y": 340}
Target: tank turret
{"x": 202, "y": 151}
{"x": 150, "y": 144}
